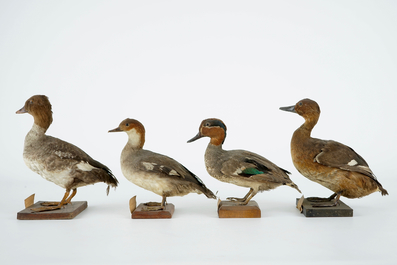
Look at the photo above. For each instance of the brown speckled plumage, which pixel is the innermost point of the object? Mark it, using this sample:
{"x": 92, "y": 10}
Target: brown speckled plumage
{"x": 152, "y": 171}
{"x": 329, "y": 163}
{"x": 239, "y": 167}
{"x": 56, "y": 160}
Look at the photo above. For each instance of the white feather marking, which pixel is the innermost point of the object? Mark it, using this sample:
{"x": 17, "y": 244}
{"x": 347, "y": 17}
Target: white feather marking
{"x": 352, "y": 163}
{"x": 238, "y": 171}
{"x": 64, "y": 154}
{"x": 84, "y": 166}
{"x": 173, "y": 172}
{"x": 134, "y": 138}
{"x": 366, "y": 168}
{"x": 149, "y": 166}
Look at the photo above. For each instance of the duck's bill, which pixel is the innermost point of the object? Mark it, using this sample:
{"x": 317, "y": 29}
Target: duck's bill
{"x": 290, "y": 109}
{"x": 116, "y": 130}
{"x": 198, "y": 136}
{"x": 21, "y": 111}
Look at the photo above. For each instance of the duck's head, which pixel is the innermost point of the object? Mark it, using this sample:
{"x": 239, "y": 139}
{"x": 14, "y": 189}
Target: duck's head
{"x": 40, "y": 108}
{"x": 213, "y": 128}
{"x": 134, "y": 130}
{"x": 306, "y": 108}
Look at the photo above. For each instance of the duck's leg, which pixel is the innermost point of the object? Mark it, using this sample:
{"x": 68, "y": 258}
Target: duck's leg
{"x": 67, "y": 201}
{"x": 163, "y": 201}
{"x": 71, "y": 196}
{"x": 335, "y": 203}
{"x": 317, "y": 199}
{"x": 50, "y": 208}
{"x": 241, "y": 199}
{"x": 253, "y": 193}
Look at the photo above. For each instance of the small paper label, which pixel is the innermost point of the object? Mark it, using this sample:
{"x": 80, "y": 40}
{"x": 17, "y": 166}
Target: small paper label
{"x": 132, "y": 204}
{"x": 29, "y": 201}
{"x": 300, "y": 203}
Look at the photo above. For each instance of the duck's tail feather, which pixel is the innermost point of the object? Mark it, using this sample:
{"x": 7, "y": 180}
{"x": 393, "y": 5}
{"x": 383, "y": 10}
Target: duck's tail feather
{"x": 111, "y": 180}
{"x": 208, "y": 193}
{"x": 293, "y": 185}
{"x": 382, "y": 190}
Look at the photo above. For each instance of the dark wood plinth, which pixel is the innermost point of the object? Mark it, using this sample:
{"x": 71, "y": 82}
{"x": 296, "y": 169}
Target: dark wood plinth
{"x": 341, "y": 210}
{"x": 141, "y": 213}
{"x": 231, "y": 209}
{"x": 69, "y": 211}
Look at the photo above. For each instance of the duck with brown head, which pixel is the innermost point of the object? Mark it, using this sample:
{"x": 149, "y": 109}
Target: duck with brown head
{"x": 58, "y": 161}
{"x": 239, "y": 167}
{"x": 329, "y": 163}
{"x": 155, "y": 172}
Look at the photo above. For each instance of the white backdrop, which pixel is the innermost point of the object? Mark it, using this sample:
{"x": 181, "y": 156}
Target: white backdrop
{"x": 171, "y": 64}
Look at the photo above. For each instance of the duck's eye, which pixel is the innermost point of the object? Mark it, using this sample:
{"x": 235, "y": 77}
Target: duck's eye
{"x": 207, "y": 124}
{"x": 31, "y": 102}
{"x": 127, "y": 124}
{"x": 300, "y": 103}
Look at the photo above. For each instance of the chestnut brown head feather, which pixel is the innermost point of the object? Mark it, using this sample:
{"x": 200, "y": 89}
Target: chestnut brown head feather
{"x": 134, "y": 129}
{"x": 213, "y": 128}
{"x": 308, "y": 109}
{"x": 40, "y": 108}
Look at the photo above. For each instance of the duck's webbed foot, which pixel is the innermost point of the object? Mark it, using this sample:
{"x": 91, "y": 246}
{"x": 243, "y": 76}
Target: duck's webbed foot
{"x": 50, "y": 203}
{"x": 234, "y": 199}
{"x": 47, "y": 208}
{"x": 331, "y": 201}
{"x": 238, "y": 201}
{"x": 318, "y": 199}
{"x": 155, "y": 206}
{"x": 51, "y": 206}
{"x": 245, "y": 200}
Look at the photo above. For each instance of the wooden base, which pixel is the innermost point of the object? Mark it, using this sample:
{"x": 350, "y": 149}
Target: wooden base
{"x": 69, "y": 211}
{"x": 231, "y": 209}
{"x": 140, "y": 213}
{"x": 341, "y": 210}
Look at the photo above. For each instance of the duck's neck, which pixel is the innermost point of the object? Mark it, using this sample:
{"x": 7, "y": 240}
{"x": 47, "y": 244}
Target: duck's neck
{"x": 217, "y": 136}
{"x": 217, "y": 141}
{"x": 215, "y": 146}
{"x": 213, "y": 153}
{"x": 34, "y": 135}
{"x": 43, "y": 119}
{"x": 38, "y": 130}
{"x": 305, "y": 129}
{"x": 136, "y": 140}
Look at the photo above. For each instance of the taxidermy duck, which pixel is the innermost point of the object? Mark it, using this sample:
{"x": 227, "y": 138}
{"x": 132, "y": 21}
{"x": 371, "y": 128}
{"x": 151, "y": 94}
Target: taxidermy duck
{"x": 239, "y": 167}
{"x": 155, "y": 172}
{"x": 58, "y": 161}
{"x": 329, "y": 163}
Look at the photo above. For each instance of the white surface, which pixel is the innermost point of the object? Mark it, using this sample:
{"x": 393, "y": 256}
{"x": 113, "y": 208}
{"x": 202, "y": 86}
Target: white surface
{"x": 171, "y": 64}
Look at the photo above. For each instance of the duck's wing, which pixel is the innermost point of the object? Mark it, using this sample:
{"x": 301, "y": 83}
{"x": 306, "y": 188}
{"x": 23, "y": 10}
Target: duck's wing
{"x": 63, "y": 154}
{"x": 251, "y": 165}
{"x": 165, "y": 167}
{"x": 335, "y": 154}
{"x": 67, "y": 151}
{"x": 168, "y": 168}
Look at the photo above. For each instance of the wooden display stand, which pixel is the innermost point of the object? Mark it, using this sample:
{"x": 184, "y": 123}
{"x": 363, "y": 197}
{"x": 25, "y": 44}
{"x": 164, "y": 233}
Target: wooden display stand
{"x": 68, "y": 211}
{"x": 231, "y": 209}
{"x": 341, "y": 210}
{"x": 142, "y": 213}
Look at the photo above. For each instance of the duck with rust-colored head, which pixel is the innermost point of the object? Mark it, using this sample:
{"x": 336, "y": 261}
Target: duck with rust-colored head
{"x": 329, "y": 163}
{"x": 155, "y": 172}
{"x": 239, "y": 167}
{"x": 58, "y": 161}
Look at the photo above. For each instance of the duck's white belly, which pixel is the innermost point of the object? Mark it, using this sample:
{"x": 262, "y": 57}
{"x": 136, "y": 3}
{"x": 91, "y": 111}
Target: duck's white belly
{"x": 149, "y": 181}
{"x": 60, "y": 177}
